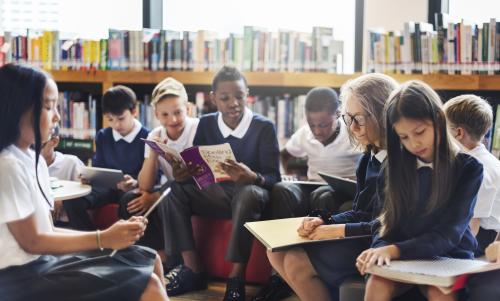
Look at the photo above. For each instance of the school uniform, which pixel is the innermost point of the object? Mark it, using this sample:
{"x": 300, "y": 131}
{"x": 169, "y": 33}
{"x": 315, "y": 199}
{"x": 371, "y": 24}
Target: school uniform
{"x": 82, "y": 276}
{"x": 153, "y": 237}
{"x": 339, "y": 158}
{"x": 254, "y": 143}
{"x": 488, "y": 198}
{"x": 444, "y": 232}
{"x": 112, "y": 151}
{"x": 66, "y": 167}
{"x": 335, "y": 261}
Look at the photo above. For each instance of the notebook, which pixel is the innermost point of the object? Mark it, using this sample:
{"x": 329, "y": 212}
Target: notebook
{"x": 339, "y": 184}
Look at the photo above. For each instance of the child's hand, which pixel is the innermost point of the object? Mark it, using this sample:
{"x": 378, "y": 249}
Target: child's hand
{"x": 128, "y": 183}
{"x": 327, "y": 232}
{"x": 308, "y": 225}
{"x": 181, "y": 172}
{"x": 122, "y": 234}
{"x": 378, "y": 256}
{"x": 493, "y": 252}
{"x": 141, "y": 204}
{"x": 84, "y": 180}
{"x": 239, "y": 172}
{"x": 57, "y": 212}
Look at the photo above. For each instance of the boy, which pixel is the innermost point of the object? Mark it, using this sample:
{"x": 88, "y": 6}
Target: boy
{"x": 325, "y": 142}
{"x": 117, "y": 147}
{"x": 469, "y": 119}
{"x": 255, "y": 146}
{"x": 177, "y": 130}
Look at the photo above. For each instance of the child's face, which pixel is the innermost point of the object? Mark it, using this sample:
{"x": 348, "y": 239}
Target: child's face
{"x": 322, "y": 124}
{"x": 230, "y": 98}
{"x": 49, "y": 116}
{"x": 171, "y": 112}
{"x": 360, "y": 125}
{"x": 122, "y": 123}
{"x": 417, "y": 136}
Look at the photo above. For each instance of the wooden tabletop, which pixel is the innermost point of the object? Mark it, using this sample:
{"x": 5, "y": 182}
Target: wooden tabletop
{"x": 67, "y": 190}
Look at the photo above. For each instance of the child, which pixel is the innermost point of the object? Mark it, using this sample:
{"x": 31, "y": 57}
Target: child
{"x": 36, "y": 258}
{"x": 325, "y": 143}
{"x": 62, "y": 167}
{"x": 430, "y": 191}
{"x": 469, "y": 119}
{"x": 117, "y": 147}
{"x": 255, "y": 146}
{"x": 177, "y": 130}
{"x": 316, "y": 272}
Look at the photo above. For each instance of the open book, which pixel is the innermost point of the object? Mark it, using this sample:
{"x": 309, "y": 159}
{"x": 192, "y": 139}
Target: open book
{"x": 281, "y": 234}
{"x": 339, "y": 184}
{"x": 207, "y": 157}
{"x": 441, "y": 272}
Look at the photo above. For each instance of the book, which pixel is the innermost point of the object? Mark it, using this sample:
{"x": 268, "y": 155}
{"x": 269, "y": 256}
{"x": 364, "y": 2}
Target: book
{"x": 207, "y": 157}
{"x": 343, "y": 185}
{"x": 441, "y": 272}
{"x": 281, "y": 234}
{"x": 102, "y": 177}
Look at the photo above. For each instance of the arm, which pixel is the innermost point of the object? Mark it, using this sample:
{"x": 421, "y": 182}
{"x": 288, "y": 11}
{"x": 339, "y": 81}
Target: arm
{"x": 269, "y": 156}
{"x": 121, "y": 235}
{"x": 148, "y": 173}
{"x": 474, "y": 225}
{"x": 285, "y": 156}
{"x": 449, "y": 230}
{"x": 98, "y": 159}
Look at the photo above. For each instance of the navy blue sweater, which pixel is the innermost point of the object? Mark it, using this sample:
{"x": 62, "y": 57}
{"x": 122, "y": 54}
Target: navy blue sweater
{"x": 122, "y": 155}
{"x": 359, "y": 220}
{"x": 258, "y": 149}
{"x": 444, "y": 232}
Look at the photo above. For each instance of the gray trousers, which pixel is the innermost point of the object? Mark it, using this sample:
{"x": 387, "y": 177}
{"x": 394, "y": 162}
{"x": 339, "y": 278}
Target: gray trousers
{"x": 292, "y": 200}
{"x": 241, "y": 203}
{"x": 484, "y": 286}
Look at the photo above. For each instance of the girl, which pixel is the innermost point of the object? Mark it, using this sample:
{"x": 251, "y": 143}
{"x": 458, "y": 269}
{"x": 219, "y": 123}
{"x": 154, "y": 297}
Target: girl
{"x": 429, "y": 194}
{"x": 309, "y": 270}
{"x": 27, "y": 116}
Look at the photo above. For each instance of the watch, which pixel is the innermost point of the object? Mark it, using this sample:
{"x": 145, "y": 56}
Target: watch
{"x": 259, "y": 180}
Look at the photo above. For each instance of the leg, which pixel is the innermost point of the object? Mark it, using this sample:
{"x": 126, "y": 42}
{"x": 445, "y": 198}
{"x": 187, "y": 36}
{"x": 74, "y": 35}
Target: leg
{"x": 158, "y": 270}
{"x": 277, "y": 260}
{"x": 288, "y": 200}
{"x": 379, "y": 289}
{"x": 484, "y": 286}
{"x": 78, "y": 216}
{"x": 301, "y": 276}
{"x": 155, "y": 290}
{"x": 434, "y": 294}
{"x": 326, "y": 198}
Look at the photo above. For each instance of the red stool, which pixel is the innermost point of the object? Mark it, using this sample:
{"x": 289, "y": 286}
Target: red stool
{"x": 105, "y": 216}
{"x": 212, "y": 236}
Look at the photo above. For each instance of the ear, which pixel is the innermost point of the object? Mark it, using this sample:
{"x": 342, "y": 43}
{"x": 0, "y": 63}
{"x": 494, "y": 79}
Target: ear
{"x": 460, "y": 133}
{"x": 134, "y": 111}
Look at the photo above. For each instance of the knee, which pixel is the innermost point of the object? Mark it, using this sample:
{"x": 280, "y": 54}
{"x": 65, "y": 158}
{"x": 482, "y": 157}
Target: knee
{"x": 251, "y": 198}
{"x": 155, "y": 286}
{"x": 293, "y": 266}
{"x": 433, "y": 293}
{"x": 378, "y": 286}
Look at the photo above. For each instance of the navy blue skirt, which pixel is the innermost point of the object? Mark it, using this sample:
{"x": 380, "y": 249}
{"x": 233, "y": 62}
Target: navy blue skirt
{"x": 80, "y": 276}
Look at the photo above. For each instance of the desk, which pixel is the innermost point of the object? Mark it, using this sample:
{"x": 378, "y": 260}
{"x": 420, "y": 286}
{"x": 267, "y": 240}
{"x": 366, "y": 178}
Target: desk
{"x": 66, "y": 190}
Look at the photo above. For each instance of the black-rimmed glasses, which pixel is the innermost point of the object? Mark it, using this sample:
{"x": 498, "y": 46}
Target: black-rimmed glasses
{"x": 358, "y": 119}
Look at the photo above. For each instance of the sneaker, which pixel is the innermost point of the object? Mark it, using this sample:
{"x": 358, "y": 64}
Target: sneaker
{"x": 276, "y": 289}
{"x": 235, "y": 289}
{"x": 182, "y": 279}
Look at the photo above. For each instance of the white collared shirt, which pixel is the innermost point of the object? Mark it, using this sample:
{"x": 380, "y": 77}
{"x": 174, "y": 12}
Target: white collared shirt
{"x": 20, "y": 197}
{"x": 380, "y": 156}
{"x": 488, "y": 198}
{"x": 184, "y": 141}
{"x": 129, "y": 138}
{"x": 240, "y": 130}
{"x": 66, "y": 167}
{"x": 421, "y": 164}
{"x": 338, "y": 157}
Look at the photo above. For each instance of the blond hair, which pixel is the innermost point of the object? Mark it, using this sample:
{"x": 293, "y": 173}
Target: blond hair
{"x": 470, "y": 112}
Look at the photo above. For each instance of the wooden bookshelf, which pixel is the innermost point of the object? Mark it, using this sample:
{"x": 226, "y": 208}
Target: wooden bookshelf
{"x": 272, "y": 79}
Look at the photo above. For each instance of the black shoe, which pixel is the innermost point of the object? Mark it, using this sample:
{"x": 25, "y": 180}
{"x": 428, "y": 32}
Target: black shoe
{"x": 182, "y": 279}
{"x": 275, "y": 290}
{"x": 235, "y": 289}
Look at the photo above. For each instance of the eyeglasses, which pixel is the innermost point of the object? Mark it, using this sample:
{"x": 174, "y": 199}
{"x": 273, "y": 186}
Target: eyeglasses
{"x": 358, "y": 119}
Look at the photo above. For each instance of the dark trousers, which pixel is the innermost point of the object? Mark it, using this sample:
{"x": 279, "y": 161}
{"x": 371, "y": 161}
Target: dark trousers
{"x": 484, "y": 238}
{"x": 292, "y": 200}
{"x": 241, "y": 203}
{"x": 76, "y": 209}
{"x": 153, "y": 236}
{"x": 484, "y": 286}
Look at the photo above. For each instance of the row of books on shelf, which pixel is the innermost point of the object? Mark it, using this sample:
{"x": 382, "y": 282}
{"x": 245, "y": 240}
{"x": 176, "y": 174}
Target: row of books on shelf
{"x": 447, "y": 47}
{"x": 153, "y": 49}
{"x": 78, "y": 113}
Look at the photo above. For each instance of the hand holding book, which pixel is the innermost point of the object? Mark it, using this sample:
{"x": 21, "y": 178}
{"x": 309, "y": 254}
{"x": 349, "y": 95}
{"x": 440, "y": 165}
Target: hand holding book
{"x": 376, "y": 256}
{"x": 239, "y": 172}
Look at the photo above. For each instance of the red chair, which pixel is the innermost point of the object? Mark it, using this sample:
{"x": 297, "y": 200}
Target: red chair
{"x": 212, "y": 236}
{"x": 105, "y": 216}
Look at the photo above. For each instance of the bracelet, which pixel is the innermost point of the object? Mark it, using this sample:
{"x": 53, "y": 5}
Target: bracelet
{"x": 98, "y": 237}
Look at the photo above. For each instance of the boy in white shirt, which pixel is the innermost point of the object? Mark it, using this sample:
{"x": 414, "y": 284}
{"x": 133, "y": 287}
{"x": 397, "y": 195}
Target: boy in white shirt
{"x": 324, "y": 140}
{"x": 61, "y": 166}
{"x": 469, "y": 119}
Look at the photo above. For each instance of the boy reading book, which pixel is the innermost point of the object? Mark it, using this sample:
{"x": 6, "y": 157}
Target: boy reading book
{"x": 469, "y": 118}
{"x": 255, "y": 147}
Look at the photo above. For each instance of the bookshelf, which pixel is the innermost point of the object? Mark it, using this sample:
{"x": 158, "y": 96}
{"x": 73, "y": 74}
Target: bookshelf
{"x": 272, "y": 79}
